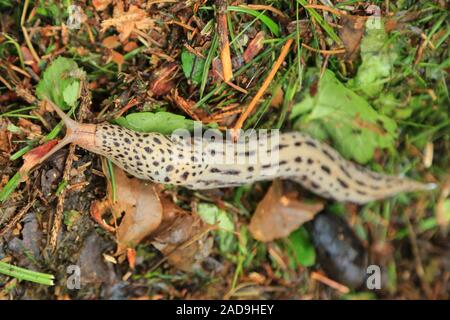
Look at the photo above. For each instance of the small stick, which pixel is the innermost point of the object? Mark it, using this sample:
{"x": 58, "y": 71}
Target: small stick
{"x": 265, "y": 85}
{"x": 331, "y": 283}
{"x": 265, "y": 7}
{"x": 335, "y": 51}
{"x": 17, "y": 217}
{"x": 326, "y": 8}
{"x": 224, "y": 44}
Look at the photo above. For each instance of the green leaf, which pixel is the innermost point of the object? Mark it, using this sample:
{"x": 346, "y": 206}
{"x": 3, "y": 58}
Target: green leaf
{"x": 273, "y": 27}
{"x": 302, "y": 247}
{"x": 192, "y": 66}
{"x": 338, "y": 113}
{"x": 71, "y": 93}
{"x": 10, "y": 186}
{"x": 25, "y": 274}
{"x": 378, "y": 56}
{"x": 211, "y": 214}
{"x": 162, "y": 122}
{"x": 58, "y": 83}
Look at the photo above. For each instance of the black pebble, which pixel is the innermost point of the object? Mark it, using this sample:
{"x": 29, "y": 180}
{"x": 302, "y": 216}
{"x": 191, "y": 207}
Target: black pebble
{"x": 339, "y": 251}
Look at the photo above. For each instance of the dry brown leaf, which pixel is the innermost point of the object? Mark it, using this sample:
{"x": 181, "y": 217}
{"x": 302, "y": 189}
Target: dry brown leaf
{"x": 126, "y": 22}
{"x": 351, "y": 34}
{"x": 111, "y": 42}
{"x": 31, "y": 130}
{"x": 143, "y": 210}
{"x": 163, "y": 79}
{"x": 101, "y": 5}
{"x": 130, "y": 46}
{"x": 185, "y": 242}
{"x": 280, "y": 213}
{"x": 118, "y": 58}
{"x": 255, "y": 46}
{"x": 32, "y": 158}
{"x": 5, "y": 141}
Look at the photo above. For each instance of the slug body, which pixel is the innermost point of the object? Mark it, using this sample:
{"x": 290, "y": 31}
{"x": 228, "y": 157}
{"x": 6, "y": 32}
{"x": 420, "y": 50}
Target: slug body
{"x": 195, "y": 164}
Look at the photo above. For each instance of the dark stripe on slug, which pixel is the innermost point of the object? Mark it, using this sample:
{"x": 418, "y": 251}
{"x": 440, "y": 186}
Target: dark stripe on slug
{"x": 298, "y": 144}
{"x": 359, "y": 182}
{"x": 326, "y": 169}
{"x": 214, "y": 170}
{"x": 325, "y": 152}
{"x": 232, "y": 172}
{"x": 342, "y": 183}
{"x": 266, "y": 166}
{"x": 298, "y": 159}
{"x": 315, "y": 185}
{"x": 283, "y": 162}
{"x": 345, "y": 171}
{"x": 311, "y": 144}
{"x": 185, "y": 175}
{"x": 361, "y": 192}
{"x": 280, "y": 147}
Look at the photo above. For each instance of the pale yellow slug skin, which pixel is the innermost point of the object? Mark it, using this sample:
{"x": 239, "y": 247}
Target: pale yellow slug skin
{"x": 295, "y": 156}
{"x": 315, "y": 165}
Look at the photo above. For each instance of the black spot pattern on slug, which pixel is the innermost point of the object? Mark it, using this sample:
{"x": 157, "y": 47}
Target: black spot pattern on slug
{"x": 155, "y": 157}
{"x": 325, "y": 169}
{"x": 342, "y": 183}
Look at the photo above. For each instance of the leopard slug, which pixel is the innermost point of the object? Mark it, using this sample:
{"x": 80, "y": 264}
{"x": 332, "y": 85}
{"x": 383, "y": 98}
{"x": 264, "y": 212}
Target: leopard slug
{"x": 158, "y": 158}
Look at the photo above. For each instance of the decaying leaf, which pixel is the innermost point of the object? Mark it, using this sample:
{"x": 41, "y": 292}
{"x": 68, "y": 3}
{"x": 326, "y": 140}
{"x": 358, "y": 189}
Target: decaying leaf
{"x": 163, "y": 79}
{"x": 149, "y": 213}
{"x": 280, "y": 213}
{"x": 185, "y": 242}
{"x": 5, "y": 141}
{"x": 101, "y": 5}
{"x": 141, "y": 205}
{"x": 351, "y": 34}
{"x": 255, "y": 46}
{"x": 126, "y": 22}
{"x": 32, "y": 158}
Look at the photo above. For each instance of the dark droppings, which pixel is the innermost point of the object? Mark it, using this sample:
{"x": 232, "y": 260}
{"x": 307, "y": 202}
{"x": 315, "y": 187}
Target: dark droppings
{"x": 339, "y": 251}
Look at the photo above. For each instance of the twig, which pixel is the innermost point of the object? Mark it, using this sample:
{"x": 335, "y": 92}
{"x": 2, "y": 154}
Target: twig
{"x": 265, "y": 85}
{"x": 326, "y": 8}
{"x": 416, "y": 253}
{"x": 25, "y": 32}
{"x": 335, "y": 51}
{"x": 224, "y": 44}
{"x": 329, "y": 282}
{"x": 18, "y": 217}
{"x": 265, "y": 7}
{"x": 57, "y": 220}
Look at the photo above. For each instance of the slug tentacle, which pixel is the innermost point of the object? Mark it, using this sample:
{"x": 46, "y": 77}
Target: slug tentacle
{"x": 81, "y": 134}
{"x": 315, "y": 165}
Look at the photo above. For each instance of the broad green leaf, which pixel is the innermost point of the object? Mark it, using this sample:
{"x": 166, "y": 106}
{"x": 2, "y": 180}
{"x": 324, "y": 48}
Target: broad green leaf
{"x": 57, "y": 83}
{"x": 378, "y": 56}
{"x": 192, "y": 66}
{"x": 71, "y": 93}
{"x": 162, "y": 122}
{"x": 302, "y": 247}
{"x": 338, "y": 113}
{"x": 211, "y": 214}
